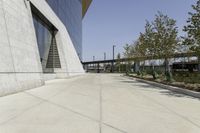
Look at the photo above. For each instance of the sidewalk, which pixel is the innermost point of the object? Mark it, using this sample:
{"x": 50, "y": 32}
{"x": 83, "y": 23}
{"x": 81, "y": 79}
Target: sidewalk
{"x": 99, "y": 103}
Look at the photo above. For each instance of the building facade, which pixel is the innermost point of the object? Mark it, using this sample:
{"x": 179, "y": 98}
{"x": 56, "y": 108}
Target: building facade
{"x": 39, "y": 40}
{"x": 70, "y": 13}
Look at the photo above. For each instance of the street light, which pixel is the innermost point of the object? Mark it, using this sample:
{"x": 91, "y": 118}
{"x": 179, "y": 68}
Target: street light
{"x": 114, "y": 52}
{"x": 93, "y": 62}
{"x": 113, "y": 58}
{"x": 93, "y": 58}
{"x": 104, "y": 65}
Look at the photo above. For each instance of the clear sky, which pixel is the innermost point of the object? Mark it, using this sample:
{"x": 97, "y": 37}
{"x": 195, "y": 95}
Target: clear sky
{"x": 117, "y": 22}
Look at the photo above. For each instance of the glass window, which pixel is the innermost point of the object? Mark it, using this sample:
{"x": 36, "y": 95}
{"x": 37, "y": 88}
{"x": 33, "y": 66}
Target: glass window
{"x": 70, "y": 13}
{"x": 46, "y": 44}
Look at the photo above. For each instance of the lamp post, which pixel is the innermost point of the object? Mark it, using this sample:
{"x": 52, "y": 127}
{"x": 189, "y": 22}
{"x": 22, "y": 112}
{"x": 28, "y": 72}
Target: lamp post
{"x": 113, "y": 59}
{"x": 93, "y": 58}
{"x": 104, "y": 65}
{"x": 104, "y": 56}
{"x": 93, "y": 62}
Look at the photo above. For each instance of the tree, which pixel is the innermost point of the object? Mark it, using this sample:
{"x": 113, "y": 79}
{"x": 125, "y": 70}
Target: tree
{"x": 144, "y": 46}
{"x": 193, "y": 31}
{"x": 140, "y": 46}
{"x": 149, "y": 40}
{"x": 140, "y": 50}
{"x": 134, "y": 54}
{"x": 160, "y": 39}
{"x": 165, "y": 39}
{"x": 150, "y": 45}
{"x": 128, "y": 53}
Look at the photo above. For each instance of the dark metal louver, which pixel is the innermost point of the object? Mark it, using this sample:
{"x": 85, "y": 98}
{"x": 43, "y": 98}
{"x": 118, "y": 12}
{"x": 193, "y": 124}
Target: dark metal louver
{"x": 53, "y": 60}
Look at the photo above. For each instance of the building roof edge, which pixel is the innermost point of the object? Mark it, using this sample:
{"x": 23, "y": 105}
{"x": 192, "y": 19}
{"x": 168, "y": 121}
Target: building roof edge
{"x": 85, "y": 5}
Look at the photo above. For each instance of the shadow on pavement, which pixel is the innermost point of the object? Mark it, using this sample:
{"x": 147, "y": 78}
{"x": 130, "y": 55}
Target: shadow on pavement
{"x": 147, "y": 87}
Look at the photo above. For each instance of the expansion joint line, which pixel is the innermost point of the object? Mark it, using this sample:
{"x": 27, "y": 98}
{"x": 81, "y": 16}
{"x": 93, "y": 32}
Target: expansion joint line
{"x": 101, "y": 123}
{"x": 100, "y": 105}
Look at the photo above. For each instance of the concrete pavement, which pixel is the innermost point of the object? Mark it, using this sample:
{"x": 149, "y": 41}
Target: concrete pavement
{"x": 99, "y": 103}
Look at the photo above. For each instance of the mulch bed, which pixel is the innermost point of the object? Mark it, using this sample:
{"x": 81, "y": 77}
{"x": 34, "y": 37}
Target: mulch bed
{"x": 193, "y": 87}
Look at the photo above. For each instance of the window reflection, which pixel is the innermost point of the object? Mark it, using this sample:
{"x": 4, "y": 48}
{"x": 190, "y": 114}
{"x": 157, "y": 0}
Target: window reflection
{"x": 44, "y": 37}
{"x": 47, "y": 46}
{"x": 70, "y": 13}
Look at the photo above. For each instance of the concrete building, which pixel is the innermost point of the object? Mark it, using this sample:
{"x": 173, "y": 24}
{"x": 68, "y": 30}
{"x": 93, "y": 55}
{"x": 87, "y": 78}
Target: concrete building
{"x": 39, "y": 40}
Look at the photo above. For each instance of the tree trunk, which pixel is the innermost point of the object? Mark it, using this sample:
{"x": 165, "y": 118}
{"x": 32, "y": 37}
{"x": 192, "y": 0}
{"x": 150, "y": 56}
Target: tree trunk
{"x": 119, "y": 67}
{"x": 167, "y": 66}
{"x": 153, "y": 71}
{"x": 199, "y": 64}
{"x": 126, "y": 68}
{"x": 143, "y": 66}
{"x": 168, "y": 70}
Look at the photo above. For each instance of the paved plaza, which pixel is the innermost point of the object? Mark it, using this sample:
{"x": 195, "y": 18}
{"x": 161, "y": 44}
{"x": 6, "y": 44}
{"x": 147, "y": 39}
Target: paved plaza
{"x": 99, "y": 103}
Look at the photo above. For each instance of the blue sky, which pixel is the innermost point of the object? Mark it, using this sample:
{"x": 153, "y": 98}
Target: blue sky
{"x": 117, "y": 22}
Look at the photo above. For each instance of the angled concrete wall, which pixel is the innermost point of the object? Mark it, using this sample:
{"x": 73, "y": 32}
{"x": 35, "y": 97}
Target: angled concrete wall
{"x": 20, "y": 66}
{"x": 70, "y": 62}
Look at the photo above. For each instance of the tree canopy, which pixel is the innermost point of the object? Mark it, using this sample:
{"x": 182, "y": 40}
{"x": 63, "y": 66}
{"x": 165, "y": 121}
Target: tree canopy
{"x": 193, "y": 29}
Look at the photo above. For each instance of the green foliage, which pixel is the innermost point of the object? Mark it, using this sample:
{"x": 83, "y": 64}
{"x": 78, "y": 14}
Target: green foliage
{"x": 165, "y": 35}
{"x": 128, "y": 51}
{"x": 168, "y": 76}
{"x": 159, "y": 39}
{"x": 154, "y": 74}
{"x": 118, "y": 56}
{"x": 187, "y": 77}
{"x": 139, "y": 73}
{"x": 193, "y": 29}
{"x": 149, "y": 40}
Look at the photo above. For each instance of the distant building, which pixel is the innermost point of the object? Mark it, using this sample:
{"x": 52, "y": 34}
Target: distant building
{"x": 39, "y": 40}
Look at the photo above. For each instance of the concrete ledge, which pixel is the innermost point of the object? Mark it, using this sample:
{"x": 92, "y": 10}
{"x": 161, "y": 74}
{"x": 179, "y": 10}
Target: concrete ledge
{"x": 171, "y": 88}
{"x": 11, "y": 83}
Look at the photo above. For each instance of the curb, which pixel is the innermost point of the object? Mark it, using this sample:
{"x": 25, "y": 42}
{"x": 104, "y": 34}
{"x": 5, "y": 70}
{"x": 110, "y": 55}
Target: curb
{"x": 171, "y": 88}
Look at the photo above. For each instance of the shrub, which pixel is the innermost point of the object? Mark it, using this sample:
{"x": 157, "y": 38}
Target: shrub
{"x": 168, "y": 76}
{"x": 154, "y": 74}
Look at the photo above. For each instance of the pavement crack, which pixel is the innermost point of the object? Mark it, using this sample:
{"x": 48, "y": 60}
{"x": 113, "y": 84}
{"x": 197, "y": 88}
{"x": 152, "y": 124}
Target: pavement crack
{"x": 101, "y": 109}
{"x": 120, "y": 130}
{"x": 65, "y": 108}
{"x": 100, "y": 105}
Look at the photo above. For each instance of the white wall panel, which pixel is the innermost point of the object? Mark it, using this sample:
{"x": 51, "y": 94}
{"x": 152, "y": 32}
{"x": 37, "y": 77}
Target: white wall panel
{"x": 20, "y": 66}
